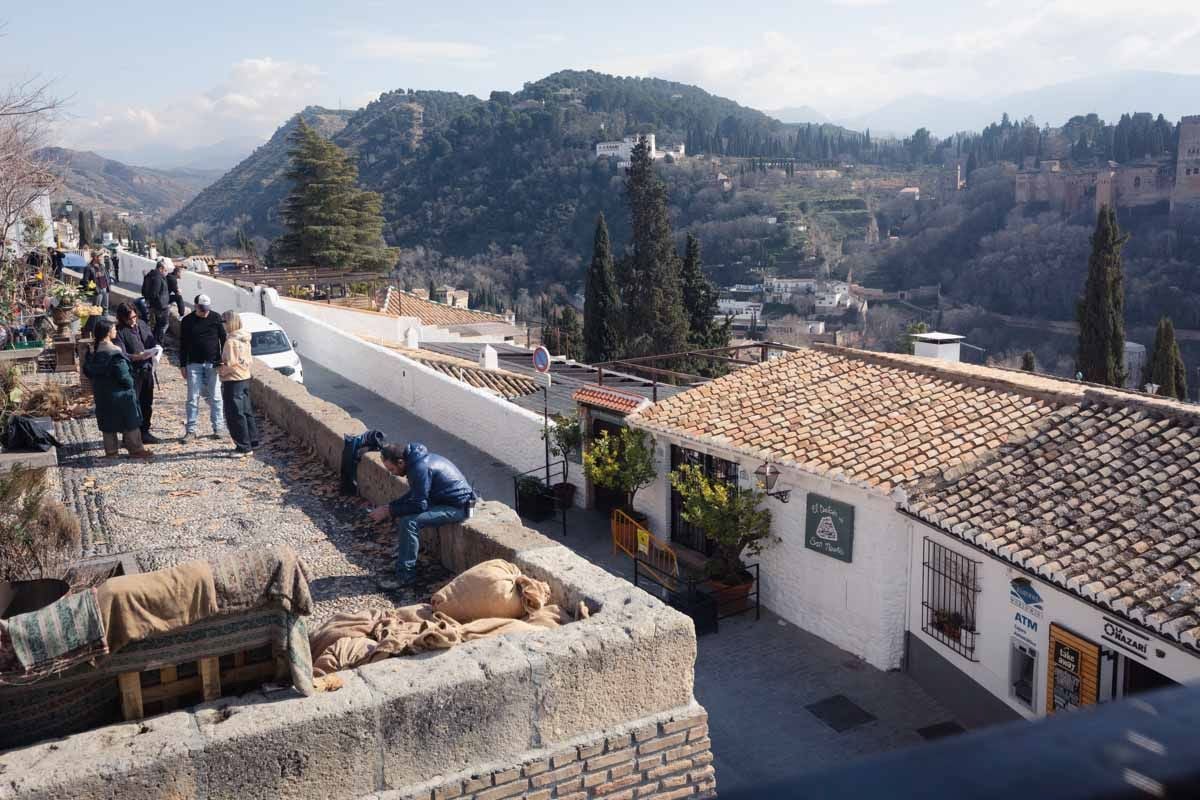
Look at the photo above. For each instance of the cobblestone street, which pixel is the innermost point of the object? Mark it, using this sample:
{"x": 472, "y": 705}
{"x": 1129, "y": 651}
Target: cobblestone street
{"x": 195, "y": 501}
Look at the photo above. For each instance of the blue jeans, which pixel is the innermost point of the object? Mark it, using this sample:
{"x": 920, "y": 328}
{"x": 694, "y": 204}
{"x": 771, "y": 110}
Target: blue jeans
{"x": 409, "y": 528}
{"x": 203, "y": 378}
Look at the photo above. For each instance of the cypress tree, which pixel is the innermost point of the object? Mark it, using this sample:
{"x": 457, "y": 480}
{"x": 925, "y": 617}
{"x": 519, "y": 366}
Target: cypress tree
{"x": 1166, "y": 363}
{"x": 571, "y": 342}
{"x": 650, "y": 291}
{"x": 700, "y": 302}
{"x": 1028, "y": 362}
{"x": 1101, "y": 356}
{"x": 85, "y": 229}
{"x": 330, "y": 222}
{"x": 601, "y": 305}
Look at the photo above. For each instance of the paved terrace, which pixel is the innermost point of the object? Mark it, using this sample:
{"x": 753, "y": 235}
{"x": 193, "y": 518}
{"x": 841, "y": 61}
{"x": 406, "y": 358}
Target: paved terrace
{"x": 756, "y": 679}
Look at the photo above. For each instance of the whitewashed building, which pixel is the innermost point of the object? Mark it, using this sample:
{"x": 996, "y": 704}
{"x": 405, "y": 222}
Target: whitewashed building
{"x": 1063, "y": 570}
{"x": 845, "y": 429}
{"x": 622, "y": 150}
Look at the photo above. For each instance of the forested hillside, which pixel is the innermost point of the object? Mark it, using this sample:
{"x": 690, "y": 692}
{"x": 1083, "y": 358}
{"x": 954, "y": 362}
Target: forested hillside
{"x": 461, "y": 176}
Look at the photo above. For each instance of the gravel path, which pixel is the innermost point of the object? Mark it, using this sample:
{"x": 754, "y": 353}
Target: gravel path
{"x": 195, "y": 501}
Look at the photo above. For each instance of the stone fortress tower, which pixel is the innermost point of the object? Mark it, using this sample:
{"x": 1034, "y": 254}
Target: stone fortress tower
{"x": 1186, "y": 195}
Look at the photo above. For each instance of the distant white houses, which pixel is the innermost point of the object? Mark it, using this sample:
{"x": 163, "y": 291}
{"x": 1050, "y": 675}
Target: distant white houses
{"x": 781, "y": 290}
{"x": 728, "y": 305}
{"x": 623, "y": 150}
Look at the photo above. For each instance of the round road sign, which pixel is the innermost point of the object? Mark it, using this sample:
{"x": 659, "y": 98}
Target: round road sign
{"x": 541, "y": 359}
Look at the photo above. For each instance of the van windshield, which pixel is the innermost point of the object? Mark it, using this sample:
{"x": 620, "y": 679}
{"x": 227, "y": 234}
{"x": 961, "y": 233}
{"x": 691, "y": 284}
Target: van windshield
{"x": 265, "y": 343}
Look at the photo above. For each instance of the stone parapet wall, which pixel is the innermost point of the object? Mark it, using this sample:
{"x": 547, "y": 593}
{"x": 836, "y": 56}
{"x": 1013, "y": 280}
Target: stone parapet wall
{"x": 602, "y": 707}
{"x": 658, "y": 759}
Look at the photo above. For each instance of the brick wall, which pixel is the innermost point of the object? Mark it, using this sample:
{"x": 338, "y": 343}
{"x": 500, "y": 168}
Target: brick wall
{"x": 658, "y": 760}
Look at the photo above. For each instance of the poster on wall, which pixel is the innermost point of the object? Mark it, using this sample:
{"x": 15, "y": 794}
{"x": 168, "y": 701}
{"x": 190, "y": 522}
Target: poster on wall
{"x": 1074, "y": 671}
{"x": 1027, "y": 610}
{"x": 829, "y": 527}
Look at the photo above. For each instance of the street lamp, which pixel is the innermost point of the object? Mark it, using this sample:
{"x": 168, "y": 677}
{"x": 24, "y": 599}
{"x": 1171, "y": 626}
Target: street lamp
{"x": 768, "y": 476}
{"x": 68, "y": 207}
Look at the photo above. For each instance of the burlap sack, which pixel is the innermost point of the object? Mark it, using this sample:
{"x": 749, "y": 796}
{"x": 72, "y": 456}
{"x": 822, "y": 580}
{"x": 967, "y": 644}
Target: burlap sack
{"x": 492, "y": 589}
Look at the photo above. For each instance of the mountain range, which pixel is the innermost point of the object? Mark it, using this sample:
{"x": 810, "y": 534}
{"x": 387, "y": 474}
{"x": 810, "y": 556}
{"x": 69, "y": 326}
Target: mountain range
{"x": 1109, "y": 95}
{"x": 102, "y": 184}
{"x": 222, "y": 155}
{"x": 459, "y": 174}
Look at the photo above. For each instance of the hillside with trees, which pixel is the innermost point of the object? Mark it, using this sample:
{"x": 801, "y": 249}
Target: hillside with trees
{"x": 102, "y": 184}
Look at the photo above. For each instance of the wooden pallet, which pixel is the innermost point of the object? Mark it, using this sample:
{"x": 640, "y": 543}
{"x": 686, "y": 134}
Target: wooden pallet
{"x": 204, "y": 679}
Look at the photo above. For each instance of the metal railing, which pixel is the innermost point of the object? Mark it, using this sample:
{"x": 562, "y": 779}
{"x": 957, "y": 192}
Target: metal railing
{"x": 636, "y": 541}
{"x": 533, "y": 493}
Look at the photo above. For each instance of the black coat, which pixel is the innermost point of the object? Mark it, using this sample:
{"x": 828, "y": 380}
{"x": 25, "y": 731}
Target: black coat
{"x": 112, "y": 387}
{"x": 133, "y": 340}
{"x": 154, "y": 289}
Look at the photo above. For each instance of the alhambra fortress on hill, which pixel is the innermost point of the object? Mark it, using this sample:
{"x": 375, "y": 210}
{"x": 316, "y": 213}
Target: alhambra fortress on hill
{"x": 1148, "y": 183}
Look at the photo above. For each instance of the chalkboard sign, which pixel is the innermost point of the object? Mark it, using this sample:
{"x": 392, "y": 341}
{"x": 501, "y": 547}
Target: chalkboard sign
{"x": 829, "y": 527}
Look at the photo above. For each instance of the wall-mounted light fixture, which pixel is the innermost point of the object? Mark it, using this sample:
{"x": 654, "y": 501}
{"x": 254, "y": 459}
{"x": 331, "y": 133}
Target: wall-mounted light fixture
{"x": 768, "y": 476}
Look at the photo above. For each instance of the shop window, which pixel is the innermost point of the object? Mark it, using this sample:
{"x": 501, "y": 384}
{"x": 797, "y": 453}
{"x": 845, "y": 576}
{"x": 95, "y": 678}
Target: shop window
{"x": 1021, "y": 671}
{"x": 949, "y": 598}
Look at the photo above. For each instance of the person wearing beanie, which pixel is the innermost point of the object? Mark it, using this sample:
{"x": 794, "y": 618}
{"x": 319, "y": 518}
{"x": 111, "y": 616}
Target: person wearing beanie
{"x": 201, "y": 342}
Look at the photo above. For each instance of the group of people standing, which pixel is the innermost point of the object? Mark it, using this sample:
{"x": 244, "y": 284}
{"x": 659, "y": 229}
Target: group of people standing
{"x": 214, "y": 351}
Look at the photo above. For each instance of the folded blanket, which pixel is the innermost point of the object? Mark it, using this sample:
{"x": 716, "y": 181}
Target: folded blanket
{"x": 251, "y": 578}
{"x": 133, "y": 607}
{"x": 352, "y": 639}
{"x": 62, "y": 634}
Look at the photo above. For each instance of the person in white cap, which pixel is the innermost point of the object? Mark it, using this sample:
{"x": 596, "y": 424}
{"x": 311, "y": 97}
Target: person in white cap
{"x": 201, "y": 340}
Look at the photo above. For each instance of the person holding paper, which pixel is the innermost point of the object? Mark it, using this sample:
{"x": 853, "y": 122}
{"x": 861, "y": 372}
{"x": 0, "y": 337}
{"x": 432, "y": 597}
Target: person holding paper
{"x": 137, "y": 341}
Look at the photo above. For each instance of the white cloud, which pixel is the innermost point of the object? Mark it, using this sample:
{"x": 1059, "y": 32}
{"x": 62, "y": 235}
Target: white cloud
{"x": 861, "y": 3}
{"x": 256, "y": 97}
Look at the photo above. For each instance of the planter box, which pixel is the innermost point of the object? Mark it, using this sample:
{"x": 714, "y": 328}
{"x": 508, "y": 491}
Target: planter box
{"x": 537, "y": 506}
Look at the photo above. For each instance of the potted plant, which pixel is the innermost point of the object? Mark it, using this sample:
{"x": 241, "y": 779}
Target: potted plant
{"x": 950, "y": 624}
{"x": 535, "y": 501}
{"x": 623, "y": 463}
{"x": 63, "y": 298}
{"x": 566, "y": 439}
{"x": 731, "y": 518}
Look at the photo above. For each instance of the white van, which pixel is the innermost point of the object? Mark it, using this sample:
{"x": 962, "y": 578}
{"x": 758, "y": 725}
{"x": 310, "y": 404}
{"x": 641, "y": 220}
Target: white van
{"x": 270, "y": 345}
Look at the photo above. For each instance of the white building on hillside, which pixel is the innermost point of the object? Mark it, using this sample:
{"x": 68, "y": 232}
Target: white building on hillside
{"x": 39, "y": 208}
{"x": 623, "y": 150}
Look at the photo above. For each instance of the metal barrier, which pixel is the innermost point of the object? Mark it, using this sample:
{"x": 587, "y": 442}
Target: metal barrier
{"x": 642, "y": 546}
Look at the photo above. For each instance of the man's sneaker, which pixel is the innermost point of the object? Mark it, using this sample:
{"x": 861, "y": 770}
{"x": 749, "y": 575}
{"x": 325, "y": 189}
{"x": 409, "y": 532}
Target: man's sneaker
{"x": 217, "y": 435}
{"x": 150, "y": 438}
{"x": 240, "y": 453}
{"x": 188, "y": 437}
{"x": 142, "y": 454}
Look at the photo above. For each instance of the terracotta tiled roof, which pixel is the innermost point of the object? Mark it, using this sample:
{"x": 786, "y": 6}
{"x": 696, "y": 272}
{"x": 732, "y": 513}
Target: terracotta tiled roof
{"x": 400, "y": 303}
{"x": 1103, "y": 499}
{"x": 608, "y": 398}
{"x": 871, "y": 418}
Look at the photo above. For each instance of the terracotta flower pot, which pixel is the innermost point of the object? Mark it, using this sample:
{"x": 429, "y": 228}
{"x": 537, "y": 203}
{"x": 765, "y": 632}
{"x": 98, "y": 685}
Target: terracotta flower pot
{"x": 731, "y": 596}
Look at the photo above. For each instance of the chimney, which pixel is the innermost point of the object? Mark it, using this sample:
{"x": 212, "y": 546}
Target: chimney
{"x": 411, "y": 339}
{"x": 488, "y": 359}
{"x": 944, "y": 346}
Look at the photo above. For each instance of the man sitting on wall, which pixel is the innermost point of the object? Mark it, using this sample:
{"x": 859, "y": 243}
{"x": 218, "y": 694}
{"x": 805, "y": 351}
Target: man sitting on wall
{"x": 438, "y": 494}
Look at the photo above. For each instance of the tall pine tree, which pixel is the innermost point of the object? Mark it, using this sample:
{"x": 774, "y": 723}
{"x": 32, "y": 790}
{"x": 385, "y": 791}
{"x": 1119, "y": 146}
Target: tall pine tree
{"x": 1101, "y": 356}
{"x": 700, "y": 302}
{"x": 1166, "y": 363}
{"x": 331, "y": 223}
{"x": 601, "y": 304}
{"x": 649, "y": 276}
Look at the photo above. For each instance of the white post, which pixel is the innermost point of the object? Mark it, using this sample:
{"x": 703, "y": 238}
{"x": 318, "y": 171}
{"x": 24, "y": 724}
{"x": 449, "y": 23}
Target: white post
{"x": 412, "y": 339}
{"x": 488, "y": 359}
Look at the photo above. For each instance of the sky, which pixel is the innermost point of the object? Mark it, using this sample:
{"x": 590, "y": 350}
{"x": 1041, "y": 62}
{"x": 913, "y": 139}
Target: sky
{"x": 140, "y": 74}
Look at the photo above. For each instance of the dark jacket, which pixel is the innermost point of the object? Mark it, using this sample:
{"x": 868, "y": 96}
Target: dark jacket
{"x": 154, "y": 289}
{"x": 134, "y": 339}
{"x": 201, "y": 339}
{"x": 172, "y": 285}
{"x": 112, "y": 387}
{"x": 432, "y": 481}
{"x": 94, "y": 274}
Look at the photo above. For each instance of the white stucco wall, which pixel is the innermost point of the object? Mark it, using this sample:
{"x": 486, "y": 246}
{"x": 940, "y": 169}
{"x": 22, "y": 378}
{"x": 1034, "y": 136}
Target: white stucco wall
{"x": 505, "y": 431}
{"x": 225, "y": 296}
{"x": 858, "y": 606}
{"x": 996, "y": 623}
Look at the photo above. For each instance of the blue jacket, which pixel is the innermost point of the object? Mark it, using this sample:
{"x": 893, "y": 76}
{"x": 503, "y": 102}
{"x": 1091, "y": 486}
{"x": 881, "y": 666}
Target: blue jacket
{"x": 432, "y": 481}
